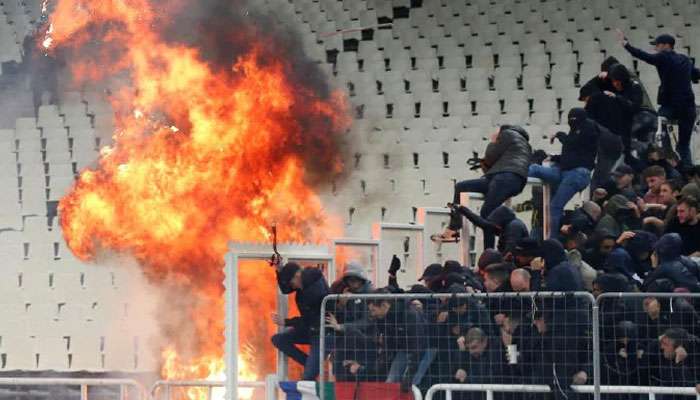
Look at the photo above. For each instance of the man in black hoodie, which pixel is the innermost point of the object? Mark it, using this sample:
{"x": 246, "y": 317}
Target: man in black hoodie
{"x": 502, "y": 222}
{"x": 505, "y": 166}
{"x": 628, "y": 95}
{"x": 572, "y": 173}
{"x": 669, "y": 263}
{"x": 676, "y": 98}
{"x": 310, "y": 287}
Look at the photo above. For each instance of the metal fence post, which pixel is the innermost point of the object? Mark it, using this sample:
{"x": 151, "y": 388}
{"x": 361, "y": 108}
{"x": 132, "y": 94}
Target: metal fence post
{"x": 322, "y": 346}
{"x": 83, "y": 392}
{"x": 271, "y": 387}
{"x": 596, "y": 350}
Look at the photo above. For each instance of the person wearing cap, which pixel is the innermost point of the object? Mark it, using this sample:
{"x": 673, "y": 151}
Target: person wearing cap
{"x": 526, "y": 249}
{"x": 621, "y": 182}
{"x": 309, "y": 287}
{"x": 572, "y": 172}
{"x": 581, "y": 220}
{"x": 433, "y": 277}
{"x": 675, "y": 97}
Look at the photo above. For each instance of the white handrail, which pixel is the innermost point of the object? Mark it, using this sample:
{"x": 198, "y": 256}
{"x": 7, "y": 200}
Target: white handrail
{"x": 270, "y": 385}
{"x": 82, "y": 382}
{"x": 607, "y": 389}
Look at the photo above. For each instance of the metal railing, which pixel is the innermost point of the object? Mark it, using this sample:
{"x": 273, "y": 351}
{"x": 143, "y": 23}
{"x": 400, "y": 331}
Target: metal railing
{"x": 489, "y": 390}
{"x": 83, "y": 383}
{"x": 560, "y": 323}
{"x": 165, "y": 387}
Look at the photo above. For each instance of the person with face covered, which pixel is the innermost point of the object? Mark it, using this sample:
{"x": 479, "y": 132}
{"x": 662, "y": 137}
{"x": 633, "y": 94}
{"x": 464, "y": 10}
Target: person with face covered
{"x": 502, "y": 222}
{"x": 572, "y": 172}
{"x": 620, "y": 215}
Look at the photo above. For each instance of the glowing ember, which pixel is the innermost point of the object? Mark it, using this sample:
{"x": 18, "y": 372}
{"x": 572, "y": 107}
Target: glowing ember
{"x": 254, "y": 137}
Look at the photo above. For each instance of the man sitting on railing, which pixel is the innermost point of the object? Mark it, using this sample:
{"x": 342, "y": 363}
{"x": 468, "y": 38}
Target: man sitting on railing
{"x": 505, "y": 165}
{"x": 571, "y": 172}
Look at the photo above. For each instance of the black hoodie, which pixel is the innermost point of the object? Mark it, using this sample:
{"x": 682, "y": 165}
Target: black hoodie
{"x": 560, "y": 275}
{"x": 502, "y": 222}
{"x": 309, "y": 298}
{"x": 580, "y": 146}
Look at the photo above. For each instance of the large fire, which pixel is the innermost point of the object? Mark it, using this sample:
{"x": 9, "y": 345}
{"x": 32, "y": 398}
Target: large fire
{"x": 204, "y": 152}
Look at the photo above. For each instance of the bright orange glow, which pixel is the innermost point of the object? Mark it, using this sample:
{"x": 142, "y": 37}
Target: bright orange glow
{"x": 202, "y": 155}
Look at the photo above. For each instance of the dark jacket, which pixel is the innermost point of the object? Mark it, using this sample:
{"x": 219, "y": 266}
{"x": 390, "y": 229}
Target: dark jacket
{"x": 608, "y": 113}
{"x": 675, "y": 71}
{"x": 580, "y": 221}
{"x": 620, "y": 262}
{"x": 580, "y": 146}
{"x": 618, "y": 217}
{"x": 308, "y": 298}
{"x": 682, "y": 271}
{"x": 560, "y": 275}
{"x": 510, "y": 153}
{"x": 502, "y": 222}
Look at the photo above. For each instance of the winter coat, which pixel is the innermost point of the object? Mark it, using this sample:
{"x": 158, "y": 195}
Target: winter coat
{"x": 560, "y": 275}
{"x": 313, "y": 289}
{"x": 682, "y": 271}
{"x": 580, "y": 221}
{"x": 355, "y": 309}
{"x": 510, "y": 153}
{"x": 588, "y": 273}
{"x": 620, "y": 262}
{"x": 580, "y": 146}
{"x": 618, "y": 216}
{"x": 675, "y": 71}
{"x": 607, "y": 112}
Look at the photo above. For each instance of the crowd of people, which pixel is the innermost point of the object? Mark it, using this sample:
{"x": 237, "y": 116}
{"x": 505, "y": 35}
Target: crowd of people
{"x": 638, "y": 232}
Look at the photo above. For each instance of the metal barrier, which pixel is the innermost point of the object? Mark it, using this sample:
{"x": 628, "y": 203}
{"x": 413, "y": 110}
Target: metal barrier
{"x": 649, "y": 338}
{"x": 491, "y": 389}
{"x": 425, "y": 339}
{"x": 123, "y": 385}
{"x": 467, "y": 197}
{"x": 270, "y": 385}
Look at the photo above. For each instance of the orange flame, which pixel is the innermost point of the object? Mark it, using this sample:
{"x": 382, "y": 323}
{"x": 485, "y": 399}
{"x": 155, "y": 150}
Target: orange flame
{"x": 202, "y": 155}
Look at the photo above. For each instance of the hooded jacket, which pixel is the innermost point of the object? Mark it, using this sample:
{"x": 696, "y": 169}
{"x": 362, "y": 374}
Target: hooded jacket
{"x": 620, "y": 262}
{"x": 510, "y": 153}
{"x": 560, "y": 275}
{"x": 356, "y": 309}
{"x": 682, "y": 271}
{"x": 313, "y": 289}
{"x": 502, "y": 222}
{"x": 580, "y": 146}
{"x": 618, "y": 216}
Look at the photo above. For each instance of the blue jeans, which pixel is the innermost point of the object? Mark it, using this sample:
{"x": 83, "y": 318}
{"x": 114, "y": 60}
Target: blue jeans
{"x": 686, "y": 121}
{"x": 564, "y": 185}
{"x": 496, "y": 189}
{"x": 285, "y": 342}
{"x": 400, "y": 362}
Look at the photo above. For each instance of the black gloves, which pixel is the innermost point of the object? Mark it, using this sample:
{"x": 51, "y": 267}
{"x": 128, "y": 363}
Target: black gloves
{"x": 395, "y": 265}
{"x": 474, "y": 163}
{"x": 538, "y": 156}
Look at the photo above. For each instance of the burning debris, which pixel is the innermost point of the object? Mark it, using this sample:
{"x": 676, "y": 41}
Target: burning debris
{"x": 223, "y": 128}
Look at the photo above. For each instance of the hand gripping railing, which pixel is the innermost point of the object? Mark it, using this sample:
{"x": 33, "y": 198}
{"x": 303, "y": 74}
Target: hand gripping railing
{"x": 84, "y": 383}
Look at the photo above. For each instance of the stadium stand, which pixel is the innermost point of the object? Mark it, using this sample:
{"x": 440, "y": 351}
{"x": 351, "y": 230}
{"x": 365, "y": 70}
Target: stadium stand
{"x": 428, "y": 87}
